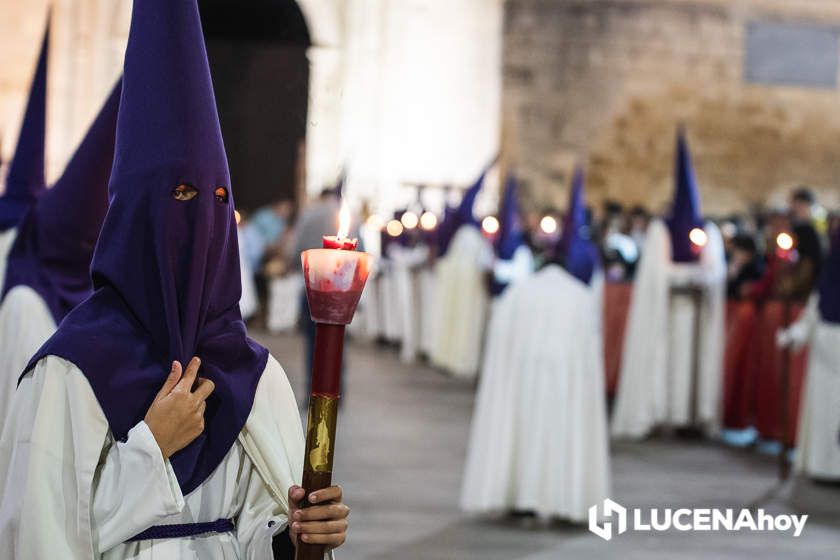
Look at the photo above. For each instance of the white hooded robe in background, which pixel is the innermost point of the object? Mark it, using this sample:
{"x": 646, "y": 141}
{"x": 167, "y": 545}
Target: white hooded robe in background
{"x": 388, "y": 302}
{"x": 818, "y": 448}
{"x": 70, "y": 491}
{"x": 426, "y": 280}
{"x": 25, "y": 325}
{"x": 539, "y": 431}
{"x": 461, "y": 303}
{"x": 654, "y": 387}
{"x": 404, "y": 264}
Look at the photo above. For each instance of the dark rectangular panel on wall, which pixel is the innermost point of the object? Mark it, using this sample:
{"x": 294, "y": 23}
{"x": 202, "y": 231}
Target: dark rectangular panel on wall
{"x": 796, "y": 54}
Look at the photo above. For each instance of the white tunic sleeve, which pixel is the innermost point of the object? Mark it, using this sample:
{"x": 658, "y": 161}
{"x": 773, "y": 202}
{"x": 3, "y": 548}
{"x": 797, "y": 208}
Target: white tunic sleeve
{"x": 134, "y": 489}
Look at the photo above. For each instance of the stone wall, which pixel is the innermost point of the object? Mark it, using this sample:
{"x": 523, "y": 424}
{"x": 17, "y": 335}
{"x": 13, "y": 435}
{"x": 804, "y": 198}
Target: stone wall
{"x": 606, "y": 82}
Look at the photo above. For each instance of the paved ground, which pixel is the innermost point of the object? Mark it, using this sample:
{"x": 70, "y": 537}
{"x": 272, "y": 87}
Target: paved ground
{"x": 401, "y": 451}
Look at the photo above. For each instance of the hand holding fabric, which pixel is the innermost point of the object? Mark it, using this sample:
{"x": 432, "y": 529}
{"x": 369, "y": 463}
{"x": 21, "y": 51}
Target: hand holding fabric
{"x": 324, "y": 522}
{"x": 176, "y": 416}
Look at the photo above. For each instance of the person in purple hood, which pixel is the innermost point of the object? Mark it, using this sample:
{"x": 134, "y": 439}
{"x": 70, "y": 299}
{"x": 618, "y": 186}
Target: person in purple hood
{"x": 672, "y": 358}
{"x": 538, "y": 441}
{"x": 48, "y": 268}
{"x": 25, "y": 180}
{"x": 150, "y": 425}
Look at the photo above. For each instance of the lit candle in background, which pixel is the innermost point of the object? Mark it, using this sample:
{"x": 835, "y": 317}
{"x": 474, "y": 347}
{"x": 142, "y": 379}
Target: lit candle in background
{"x": 490, "y": 225}
{"x": 394, "y": 228}
{"x": 698, "y": 237}
{"x": 785, "y": 245}
{"x": 428, "y": 221}
{"x": 375, "y": 222}
{"x": 409, "y": 220}
{"x": 548, "y": 225}
{"x": 784, "y": 241}
{"x": 335, "y": 277}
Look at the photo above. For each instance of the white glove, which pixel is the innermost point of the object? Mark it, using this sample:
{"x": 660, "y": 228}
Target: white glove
{"x": 783, "y": 338}
{"x": 794, "y": 337}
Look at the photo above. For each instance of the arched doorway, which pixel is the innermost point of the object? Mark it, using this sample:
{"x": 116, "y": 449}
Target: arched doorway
{"x": 257, "y": 52}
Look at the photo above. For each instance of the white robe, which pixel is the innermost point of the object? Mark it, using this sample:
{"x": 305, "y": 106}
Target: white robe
{"x": 389, "y": 303}
{"x": 818, "y": 449}
{"x": 404, "y": 264}
{"x": 539, "y": 432}
{"x": 426, "y": 307}
{"x": 461, "y": 303}
{"x": 654, "y": 387}
{"x": 25, "y": 324}
{"x": 70, "y": 491}
{"x": 7, "y": 238}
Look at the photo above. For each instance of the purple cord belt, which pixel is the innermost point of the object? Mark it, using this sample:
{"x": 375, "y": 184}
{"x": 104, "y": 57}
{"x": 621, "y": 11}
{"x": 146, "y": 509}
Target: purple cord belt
{"x": 184, "y": 530}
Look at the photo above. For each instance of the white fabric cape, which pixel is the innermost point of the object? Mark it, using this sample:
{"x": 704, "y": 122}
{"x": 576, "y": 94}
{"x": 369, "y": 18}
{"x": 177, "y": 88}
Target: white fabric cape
{"x": 818, "y": 449}
{"x": 7, "y": 238}
{"x": 25, "y": 324}
{"x": 539, "y": 432}
{"x": 654, "y": 386}
{"x": 52, "y": 445}
{"x": 461, "y": 303}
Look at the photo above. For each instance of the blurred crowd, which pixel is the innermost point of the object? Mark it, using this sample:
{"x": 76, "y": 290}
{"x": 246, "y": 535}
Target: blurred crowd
{"x": 771, "y": 253}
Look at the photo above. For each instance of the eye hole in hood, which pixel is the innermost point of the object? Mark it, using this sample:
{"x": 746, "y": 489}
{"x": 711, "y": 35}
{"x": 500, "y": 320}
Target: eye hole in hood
{"x": 185, "y": 192}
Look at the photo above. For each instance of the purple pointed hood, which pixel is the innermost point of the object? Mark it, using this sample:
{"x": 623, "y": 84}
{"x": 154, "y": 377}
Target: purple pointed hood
{"x": 166, "y": 268}
{"x": 462, "y": 215}
{"x": 579, "y": 253}
{"x": 511, "y": 236}
{"x": 55, "y": 240}
{"x": 829, "y": 283}
{"x": 685, "y": 210}
{"x": 445, "y": 227}
{"x": 25, "y": 179}
{"x": 465, "y": 214}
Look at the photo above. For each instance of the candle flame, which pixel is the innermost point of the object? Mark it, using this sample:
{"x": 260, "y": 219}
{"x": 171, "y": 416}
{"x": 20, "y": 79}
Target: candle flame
{"x": 343, "y": 222}
{"x": 698, "y": 237}
{"x": 238, "y": 216}
{"x": 784, "y": 241}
